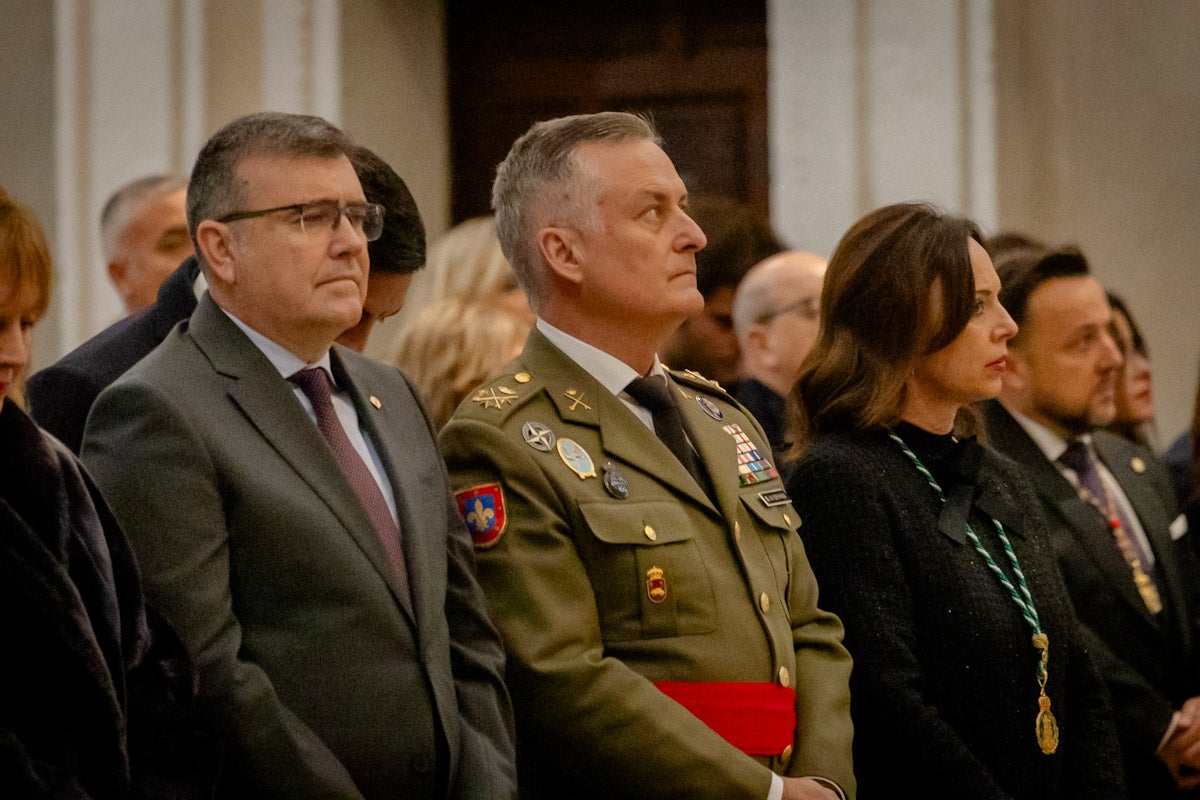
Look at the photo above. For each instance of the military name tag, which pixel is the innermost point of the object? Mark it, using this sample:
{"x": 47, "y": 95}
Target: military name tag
{"x": 775, "y": 497}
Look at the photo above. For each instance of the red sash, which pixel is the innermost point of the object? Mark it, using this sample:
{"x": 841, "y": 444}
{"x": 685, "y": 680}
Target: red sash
{"x": 757, "y": 718}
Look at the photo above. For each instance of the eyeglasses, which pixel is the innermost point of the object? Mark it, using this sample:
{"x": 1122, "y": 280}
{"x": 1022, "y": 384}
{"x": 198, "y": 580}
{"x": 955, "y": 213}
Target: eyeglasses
{"x": 366, "y": 218}
{"x": 809, "y": 308}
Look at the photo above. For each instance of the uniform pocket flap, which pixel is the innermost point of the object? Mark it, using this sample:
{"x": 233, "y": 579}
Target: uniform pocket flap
{"x": 631, "y": 522}
{"x": 771, "y": 511}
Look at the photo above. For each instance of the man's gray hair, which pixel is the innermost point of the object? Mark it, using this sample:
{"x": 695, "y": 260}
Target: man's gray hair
{"x": 215, "y": 190}
{"x": 540, "y": 183}
{"x": 124, "y": 204}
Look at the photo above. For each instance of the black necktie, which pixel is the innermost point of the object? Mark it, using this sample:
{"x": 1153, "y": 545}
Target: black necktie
{"x": 653, "y": 394}
{"x": 315, "y": 384}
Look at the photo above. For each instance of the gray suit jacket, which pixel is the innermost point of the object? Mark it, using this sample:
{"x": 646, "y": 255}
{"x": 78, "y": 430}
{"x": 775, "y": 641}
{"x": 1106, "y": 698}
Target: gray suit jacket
{"x": 254, "y": 545}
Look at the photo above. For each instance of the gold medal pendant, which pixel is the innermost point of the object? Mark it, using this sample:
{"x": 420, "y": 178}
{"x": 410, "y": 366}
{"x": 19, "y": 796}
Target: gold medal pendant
{"x": 1046, "y": 725}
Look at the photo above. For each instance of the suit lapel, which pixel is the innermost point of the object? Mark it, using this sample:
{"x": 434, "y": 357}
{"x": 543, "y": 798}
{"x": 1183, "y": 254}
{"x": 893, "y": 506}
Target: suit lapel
{"x": 269, "y": 403}
{"x": 1085, "y": 522}
{"x": 716, "y": 447}
{"x": 1148, "y": 507}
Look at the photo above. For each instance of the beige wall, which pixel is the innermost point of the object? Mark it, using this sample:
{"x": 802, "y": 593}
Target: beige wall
{"x": 1098, "y": 140}
{"x": 394, "y": 101}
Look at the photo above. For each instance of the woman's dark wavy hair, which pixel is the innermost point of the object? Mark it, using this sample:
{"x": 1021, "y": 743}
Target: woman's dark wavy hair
{"x": 878, "y": 317}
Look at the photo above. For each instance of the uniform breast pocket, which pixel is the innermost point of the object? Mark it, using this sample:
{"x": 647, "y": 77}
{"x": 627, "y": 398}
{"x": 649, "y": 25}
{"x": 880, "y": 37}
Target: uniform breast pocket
{"x": 647, "y": 570}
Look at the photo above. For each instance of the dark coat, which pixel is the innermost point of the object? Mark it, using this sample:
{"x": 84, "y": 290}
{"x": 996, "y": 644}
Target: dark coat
{"x": 96, "y": 695}
{"x": 61, "y": 395}
{"x": 1151, "y": 665}
{"x": 944, "y": 690}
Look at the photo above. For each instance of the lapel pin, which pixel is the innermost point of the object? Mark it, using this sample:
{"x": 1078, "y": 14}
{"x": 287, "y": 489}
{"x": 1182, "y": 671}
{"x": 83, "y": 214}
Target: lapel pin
{"x": 1138, "y": 465}
{"x": 576, "y": 458}
{"x": 576, "y": 398}
{"x": 614, "y": 482}
{"x": 709, "y": 407}
{"x": 538, "y": 436}
{"x": 375, "y": 401}
{"x": 656, "y": 585}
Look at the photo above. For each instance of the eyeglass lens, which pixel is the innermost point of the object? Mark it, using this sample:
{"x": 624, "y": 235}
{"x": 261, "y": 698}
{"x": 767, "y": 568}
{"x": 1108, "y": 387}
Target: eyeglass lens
{"x": 325, "y": 214}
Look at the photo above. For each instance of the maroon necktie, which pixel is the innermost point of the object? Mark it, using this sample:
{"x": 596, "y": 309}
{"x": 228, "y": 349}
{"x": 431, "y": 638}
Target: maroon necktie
{"x": 316, "y": 385}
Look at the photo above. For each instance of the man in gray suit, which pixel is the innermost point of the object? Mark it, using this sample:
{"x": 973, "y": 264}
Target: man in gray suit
{"x": 288, "y": 505}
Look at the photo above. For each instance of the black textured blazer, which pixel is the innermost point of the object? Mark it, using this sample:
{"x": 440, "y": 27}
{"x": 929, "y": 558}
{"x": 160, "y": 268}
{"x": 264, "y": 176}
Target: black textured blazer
{"x": 944, "y": 690}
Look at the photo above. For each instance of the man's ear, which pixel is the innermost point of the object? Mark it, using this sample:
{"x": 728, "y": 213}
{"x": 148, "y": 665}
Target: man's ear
{"x": 216, "y": 244}
{"x": 560, "y": 247}
{"x": 117, "y": 271}
{"x": 756, "y": 342}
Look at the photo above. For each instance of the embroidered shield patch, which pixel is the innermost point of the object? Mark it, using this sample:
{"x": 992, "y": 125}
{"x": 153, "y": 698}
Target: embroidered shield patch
{"x": 482, "y": 509}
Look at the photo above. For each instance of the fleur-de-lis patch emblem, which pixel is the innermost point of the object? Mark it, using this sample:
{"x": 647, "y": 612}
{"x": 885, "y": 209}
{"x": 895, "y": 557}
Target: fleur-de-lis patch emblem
{"x": 482, "y": 509}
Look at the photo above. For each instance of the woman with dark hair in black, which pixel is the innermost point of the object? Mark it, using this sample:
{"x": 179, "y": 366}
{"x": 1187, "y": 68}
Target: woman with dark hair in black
{"x": 969, "y": 679}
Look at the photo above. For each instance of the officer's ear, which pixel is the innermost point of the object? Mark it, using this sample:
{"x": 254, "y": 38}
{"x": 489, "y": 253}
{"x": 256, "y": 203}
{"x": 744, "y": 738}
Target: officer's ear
{"x": 563, "y": 252}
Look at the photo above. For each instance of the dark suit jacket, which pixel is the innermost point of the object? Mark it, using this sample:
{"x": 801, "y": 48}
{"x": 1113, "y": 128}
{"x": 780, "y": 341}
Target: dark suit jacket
{"x": 61, "y": 395}
{"x": 944, "y": 692}
{"x": 1151, "y": 666}
{"x": 255, "y": 546}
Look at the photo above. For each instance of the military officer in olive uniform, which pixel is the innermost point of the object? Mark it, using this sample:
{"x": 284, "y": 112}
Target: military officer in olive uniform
{"x": 639, "y": 554}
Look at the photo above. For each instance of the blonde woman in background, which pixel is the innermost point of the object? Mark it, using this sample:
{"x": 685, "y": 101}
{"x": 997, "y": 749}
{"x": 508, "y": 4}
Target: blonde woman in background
{"x": 450, "y": 347}
{"x": 466, "y": 262}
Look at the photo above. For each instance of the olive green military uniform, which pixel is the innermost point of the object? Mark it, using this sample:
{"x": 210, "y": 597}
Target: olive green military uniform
{"x": 602, "y": 585}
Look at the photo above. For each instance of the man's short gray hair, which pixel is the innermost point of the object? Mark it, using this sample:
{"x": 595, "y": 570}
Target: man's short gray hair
{"x": 124, "y": 204}
{"x": 541, "y": 183}
{"x": 215, "y": 190}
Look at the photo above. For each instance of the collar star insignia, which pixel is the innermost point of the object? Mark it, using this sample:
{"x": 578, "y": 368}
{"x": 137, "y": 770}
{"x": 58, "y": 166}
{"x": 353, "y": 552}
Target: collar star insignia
{"x": 488, "y": 398}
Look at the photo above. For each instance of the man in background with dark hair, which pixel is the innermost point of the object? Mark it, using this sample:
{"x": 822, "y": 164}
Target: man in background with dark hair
{"x": 61, "y": 395}
{"x": 738, "y": 238}
{"x": 288, "y": 505}
{"x": 1114, "y": 525}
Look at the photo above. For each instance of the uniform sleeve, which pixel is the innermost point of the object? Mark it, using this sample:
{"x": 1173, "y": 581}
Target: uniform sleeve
{"x": 848, "y": 533}
{"x": 155, "y": 472}
{"x": 608, "y": 724}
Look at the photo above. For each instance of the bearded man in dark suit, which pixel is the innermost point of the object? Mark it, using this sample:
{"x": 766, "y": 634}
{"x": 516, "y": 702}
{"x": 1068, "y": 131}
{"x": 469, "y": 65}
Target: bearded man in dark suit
{"x": 1119, "y": 539}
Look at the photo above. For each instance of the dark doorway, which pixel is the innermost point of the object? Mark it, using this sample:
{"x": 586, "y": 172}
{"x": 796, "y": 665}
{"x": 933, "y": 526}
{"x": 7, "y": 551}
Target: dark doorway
{"x": 699, "y": 69}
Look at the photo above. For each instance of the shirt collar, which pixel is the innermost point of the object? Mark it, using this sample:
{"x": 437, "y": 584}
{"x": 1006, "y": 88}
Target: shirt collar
{"x": 1047, "y": 440}
{"x": 609, "y": 371}
{"x": 287, "y": 362}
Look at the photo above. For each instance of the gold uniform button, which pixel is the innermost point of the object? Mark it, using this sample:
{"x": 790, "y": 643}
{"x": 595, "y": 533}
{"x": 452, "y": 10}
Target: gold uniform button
{"x": 1138, "y": 465}
{"x": 737, "y": 531}
{"x": 787, "y": 753}
{"x": 521, "y": 377}
{"x": 651, "y": 534}
{"x": 764, "y": 602}
{"x": 785, "y": 678}
{"x": 787, "y": 520}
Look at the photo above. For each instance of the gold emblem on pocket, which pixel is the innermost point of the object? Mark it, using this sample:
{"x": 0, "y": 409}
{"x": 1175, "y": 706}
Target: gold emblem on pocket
{"x": 656, "y": 585}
